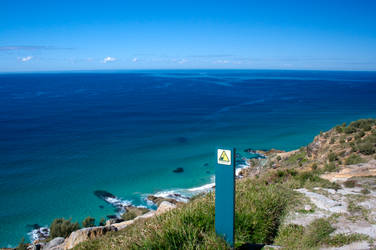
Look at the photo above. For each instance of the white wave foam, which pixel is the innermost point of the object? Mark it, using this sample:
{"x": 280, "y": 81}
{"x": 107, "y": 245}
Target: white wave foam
{"x": 173, "y": 194}
{"x": 116, "y": 202}
{"x": 241, "y": 167}
{"x": 202, "y": 188}
{"x": 183, "y": 195}
{"x": 119, "y": 204}
{"x": 41, "y": 233}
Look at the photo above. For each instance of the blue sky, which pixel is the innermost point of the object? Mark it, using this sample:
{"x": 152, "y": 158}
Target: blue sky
{"x": 110, "y": 35}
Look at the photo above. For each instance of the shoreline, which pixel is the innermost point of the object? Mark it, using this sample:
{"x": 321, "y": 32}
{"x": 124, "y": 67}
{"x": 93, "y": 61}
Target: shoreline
{"x": 182, "y": 195}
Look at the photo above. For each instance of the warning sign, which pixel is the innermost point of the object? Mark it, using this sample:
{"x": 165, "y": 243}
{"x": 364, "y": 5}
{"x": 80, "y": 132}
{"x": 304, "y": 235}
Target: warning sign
{"x": 224, "y": 156}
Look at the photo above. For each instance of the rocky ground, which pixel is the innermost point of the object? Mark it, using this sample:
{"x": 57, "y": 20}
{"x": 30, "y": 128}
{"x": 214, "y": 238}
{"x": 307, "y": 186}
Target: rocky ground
{"x": 351, "y": 209}
{"x": 345, "y": 156}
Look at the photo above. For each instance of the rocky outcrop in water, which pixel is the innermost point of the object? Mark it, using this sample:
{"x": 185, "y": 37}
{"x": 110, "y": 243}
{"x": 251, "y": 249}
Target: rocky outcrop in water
{"x": 158, "y": 200}
{"x": 178, "y": 170}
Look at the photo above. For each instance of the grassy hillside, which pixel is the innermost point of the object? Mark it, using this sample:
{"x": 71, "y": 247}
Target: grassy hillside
{"x": 264, "y": 198}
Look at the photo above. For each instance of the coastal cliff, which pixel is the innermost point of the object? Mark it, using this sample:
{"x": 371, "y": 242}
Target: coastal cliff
{"x": 322, "y": 195}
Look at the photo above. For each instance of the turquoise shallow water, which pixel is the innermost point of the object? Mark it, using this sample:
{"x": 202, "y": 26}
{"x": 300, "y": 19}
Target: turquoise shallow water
{"x": 63, "y": 136}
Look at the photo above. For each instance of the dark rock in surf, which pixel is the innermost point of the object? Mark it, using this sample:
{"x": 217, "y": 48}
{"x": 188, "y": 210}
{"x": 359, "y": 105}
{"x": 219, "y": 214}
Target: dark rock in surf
{"x": 249, "y": 150}
{"x": 33, "y": 226}
{"x": 174, "y": 198}
{"x": 158, "y": 200}
{"x": 101, "y": 194}
{"x": 178, "y": 170}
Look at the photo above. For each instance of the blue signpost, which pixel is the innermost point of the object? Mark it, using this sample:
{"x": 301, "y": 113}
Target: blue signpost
{"x": 225, "y": 194}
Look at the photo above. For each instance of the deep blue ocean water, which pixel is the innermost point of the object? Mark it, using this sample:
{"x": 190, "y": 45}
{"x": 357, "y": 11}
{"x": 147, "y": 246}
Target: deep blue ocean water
{"x": 65, "y": 135}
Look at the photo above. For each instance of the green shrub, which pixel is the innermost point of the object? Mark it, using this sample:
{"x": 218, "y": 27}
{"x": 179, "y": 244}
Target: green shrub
{"x": 313, "y": 236}
{"x": 332, "y": 157}
{"x": 133, "y": 212}
{"x": 331, "y": 167}
{"x": 279, "y": 158}
{"x": 370, "y": 138}
{"x": 281, "y": 175}
{"x": 361, "y": 134}
{"x": 332, "y": 140}
{"x": 290, "y": 237}
{"x": 366, "y": 148}
{"x": 314, "y": 166}
{"x": 349, "y": 130}
{"x": 61, "y": 227}
{"x": 129, "y": 216}
{"x": 318, "y": 232}
{"x": 339, "y": 129}
{"x": 88, "y": 222}
{"x": 354, "y": 159}
{"x": 349, "y": 183}
{"x": 365, "y": 191}
{"x": 357, "y": 137}
{"x": 102, "y": 222}
{"x": 339, "y": 240}
{"x": 303, "y": 177}
{"x": 22, "y": 245}
{"x": 364, "y": 124}
{"x": 297, "y": 157}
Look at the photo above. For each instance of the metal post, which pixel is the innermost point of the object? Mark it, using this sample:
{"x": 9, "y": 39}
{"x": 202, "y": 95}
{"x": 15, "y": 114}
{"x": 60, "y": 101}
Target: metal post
{"x": 225, "y": 194}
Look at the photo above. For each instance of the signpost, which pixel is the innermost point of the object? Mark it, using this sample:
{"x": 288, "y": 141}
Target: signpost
{"x": 225, "y": 194}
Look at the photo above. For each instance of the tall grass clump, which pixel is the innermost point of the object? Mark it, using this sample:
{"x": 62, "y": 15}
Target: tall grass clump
{"x": 314, "y": 236}
{"x": 260, "y": 208}
{"x": 259, "y": 211}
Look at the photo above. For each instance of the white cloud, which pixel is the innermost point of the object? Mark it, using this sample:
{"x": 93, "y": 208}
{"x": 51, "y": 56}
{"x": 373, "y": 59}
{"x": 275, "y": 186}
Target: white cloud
{"x": 25, "y": 59}
{"x": 109, "y": 59}
{"x": 135, "y": 59}
{"x": 182, "y": 61}
{"x": 222, "y": 61}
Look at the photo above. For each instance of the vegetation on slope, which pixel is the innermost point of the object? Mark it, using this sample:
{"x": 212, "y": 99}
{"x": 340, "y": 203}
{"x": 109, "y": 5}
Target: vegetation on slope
{"x": 259, "y": 211}
{"x": 262, "y": 201}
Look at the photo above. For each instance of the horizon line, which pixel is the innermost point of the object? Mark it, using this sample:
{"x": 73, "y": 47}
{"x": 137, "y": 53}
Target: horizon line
{"x": 171, "y": 69}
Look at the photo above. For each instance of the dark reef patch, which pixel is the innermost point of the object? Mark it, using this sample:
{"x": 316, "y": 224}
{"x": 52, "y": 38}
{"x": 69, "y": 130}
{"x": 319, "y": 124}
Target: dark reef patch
{"x": 101, "y": 194}
{"x": 178, "y": 170}
{"x": 181, "y": 139}
{"x": 33, "y": 226}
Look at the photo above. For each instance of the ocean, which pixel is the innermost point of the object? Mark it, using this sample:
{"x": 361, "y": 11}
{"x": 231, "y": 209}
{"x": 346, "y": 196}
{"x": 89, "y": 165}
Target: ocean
{"x": 64, "y": 136}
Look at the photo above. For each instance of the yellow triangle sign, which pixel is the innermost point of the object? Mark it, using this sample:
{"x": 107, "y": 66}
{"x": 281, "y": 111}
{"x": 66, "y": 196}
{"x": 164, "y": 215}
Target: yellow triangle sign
{"x": 224, "y": 157}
